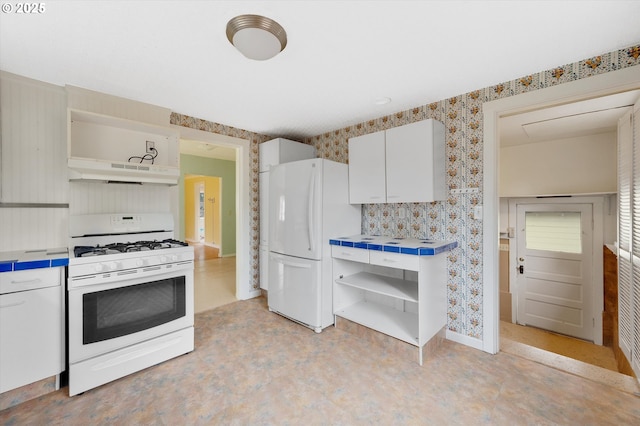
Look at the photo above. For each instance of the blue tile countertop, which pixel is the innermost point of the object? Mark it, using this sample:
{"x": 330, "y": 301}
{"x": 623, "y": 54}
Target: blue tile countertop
{"x": 33, "y": 259}
{"x": 412, "y": 246}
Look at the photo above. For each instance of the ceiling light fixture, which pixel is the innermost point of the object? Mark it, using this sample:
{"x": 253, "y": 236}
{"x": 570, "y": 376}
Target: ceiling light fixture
{"x": 256, "y": 37}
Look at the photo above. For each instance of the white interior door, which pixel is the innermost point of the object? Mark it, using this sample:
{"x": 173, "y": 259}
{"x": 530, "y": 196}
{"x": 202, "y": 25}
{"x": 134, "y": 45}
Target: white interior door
{"x": 555, "y": 283}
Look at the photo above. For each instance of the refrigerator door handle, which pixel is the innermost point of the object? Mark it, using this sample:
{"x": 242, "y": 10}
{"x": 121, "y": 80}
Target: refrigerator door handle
{"x": 310, "y": 209}
{"x": 293, "y": 264}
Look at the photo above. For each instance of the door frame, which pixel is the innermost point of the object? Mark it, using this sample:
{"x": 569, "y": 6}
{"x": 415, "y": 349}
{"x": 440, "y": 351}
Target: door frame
{"x": 597, "y": 274}
{"x": 244, "y": 288}
{"x": 600, "y": 85}
{"x": 197, "y": 187}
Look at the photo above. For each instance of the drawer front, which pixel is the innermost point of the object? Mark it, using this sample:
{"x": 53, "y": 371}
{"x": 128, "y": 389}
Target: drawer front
{"x": 395, "y": 260}
{"x": 350, "y": 253}
{"x": 30, "y": 279}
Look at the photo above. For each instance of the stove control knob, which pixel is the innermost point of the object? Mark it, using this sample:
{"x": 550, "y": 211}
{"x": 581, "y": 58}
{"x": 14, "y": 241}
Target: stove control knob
{"x": 174, "y": 258}
{"x": 112, "y": 266}
{"x": 163, "y": 259}
{"x": 139, "y": 262}
{"x": 99, "y": 267}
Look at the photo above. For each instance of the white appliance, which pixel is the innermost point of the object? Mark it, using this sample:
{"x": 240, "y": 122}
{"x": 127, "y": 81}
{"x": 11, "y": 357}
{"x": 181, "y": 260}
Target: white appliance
{"x": 308, "y": 205}
{"x": 130, "y": 296}
{"x": 272, "y": 153}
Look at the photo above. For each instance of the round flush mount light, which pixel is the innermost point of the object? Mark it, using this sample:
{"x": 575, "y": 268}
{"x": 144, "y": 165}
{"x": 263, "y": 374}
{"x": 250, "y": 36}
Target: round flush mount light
{"x": 256, "y": 37}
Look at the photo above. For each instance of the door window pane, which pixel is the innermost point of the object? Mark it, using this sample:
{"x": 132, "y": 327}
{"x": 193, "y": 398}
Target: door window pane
{"x": 554, "y": 231}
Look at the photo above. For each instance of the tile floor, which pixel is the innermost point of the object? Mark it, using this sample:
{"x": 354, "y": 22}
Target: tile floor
{"x": 252, "y": 366}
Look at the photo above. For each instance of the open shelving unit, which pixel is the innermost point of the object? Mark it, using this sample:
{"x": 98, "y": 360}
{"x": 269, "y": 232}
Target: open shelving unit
{"x": 408, "y": 305}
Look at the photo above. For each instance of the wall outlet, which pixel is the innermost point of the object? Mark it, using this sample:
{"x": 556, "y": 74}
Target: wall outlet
{"x": 151, "y": 146}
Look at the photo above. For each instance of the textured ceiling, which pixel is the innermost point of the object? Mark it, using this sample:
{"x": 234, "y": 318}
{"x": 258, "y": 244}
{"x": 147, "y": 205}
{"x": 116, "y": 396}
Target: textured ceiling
{"x": 341, "y": 55}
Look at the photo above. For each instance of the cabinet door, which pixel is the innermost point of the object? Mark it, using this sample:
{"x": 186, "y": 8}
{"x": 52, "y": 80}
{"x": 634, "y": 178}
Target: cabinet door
{"x": 279, "y": 151}
{"x": 34, "y": 151}
{"x": 31, "y": 335}
{"x": 415, "y": 162}
{"x": 367, "y": 169}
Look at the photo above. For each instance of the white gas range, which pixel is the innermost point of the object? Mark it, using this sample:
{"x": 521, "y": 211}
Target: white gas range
{"x": 130, "y": 296}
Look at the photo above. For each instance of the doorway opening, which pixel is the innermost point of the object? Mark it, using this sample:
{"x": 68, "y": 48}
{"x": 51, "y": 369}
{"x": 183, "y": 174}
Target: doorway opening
{"x": 237, "y": 258}
{"x": 566, "y": 94}
{"x": 210, "y": 219}
{"x": 203, "y": 213}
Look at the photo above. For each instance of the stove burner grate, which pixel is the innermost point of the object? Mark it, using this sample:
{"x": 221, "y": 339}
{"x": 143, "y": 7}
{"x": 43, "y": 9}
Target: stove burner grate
{"x": 115, "y": 248}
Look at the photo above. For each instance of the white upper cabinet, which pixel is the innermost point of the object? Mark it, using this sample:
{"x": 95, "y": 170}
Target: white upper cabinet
{"x": 404, "y": 164}
{"x": 278, "y": 151}
{"x": 416, "y": 162}
{"x": 367, "y": 182}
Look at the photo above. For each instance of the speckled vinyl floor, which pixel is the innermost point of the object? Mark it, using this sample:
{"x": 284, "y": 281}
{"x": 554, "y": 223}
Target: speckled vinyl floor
{"x": 251, "y": 367}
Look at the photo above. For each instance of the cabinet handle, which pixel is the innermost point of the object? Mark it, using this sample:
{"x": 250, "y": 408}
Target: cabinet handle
{"x": 346, "y": 254}
{"x": 10, "y": 305}
{"x": 388, "y": 260}
{"x": 34, "y": 281}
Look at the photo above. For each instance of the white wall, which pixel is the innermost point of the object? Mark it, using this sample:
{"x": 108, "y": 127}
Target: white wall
{"x": 581, "y": 165}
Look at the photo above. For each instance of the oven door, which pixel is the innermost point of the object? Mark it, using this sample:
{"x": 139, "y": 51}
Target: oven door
{"x": 106, "y": 317}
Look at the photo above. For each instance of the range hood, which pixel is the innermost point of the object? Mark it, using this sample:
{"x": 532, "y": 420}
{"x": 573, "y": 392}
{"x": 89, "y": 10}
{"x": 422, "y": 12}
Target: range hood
{"x": 113, "y": 171}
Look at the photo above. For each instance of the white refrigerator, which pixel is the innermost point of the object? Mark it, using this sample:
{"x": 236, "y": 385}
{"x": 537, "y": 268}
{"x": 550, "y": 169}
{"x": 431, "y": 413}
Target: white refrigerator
{"x": 308, "y": 205}
{"x": 271, "y": 153}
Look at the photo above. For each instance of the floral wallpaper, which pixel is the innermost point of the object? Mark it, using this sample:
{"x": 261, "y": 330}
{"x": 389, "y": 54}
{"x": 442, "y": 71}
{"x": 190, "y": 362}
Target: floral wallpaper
{"x": 447, "y": 220}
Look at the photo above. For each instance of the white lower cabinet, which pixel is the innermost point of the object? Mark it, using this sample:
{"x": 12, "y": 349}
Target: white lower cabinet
{"x": 31, "y": 327}
{"x": 400, "y": 295}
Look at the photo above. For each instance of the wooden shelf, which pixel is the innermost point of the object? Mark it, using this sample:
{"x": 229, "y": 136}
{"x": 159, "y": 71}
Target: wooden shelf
{"x": 392, "y": 322}
{"x": 388, "y": 286}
